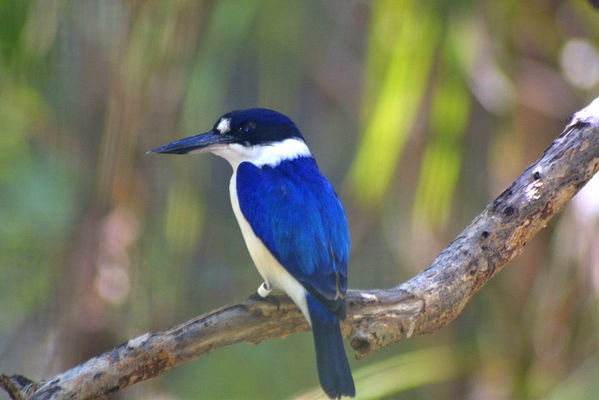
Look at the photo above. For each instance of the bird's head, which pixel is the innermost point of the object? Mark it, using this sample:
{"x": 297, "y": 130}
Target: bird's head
{"x": 257, "y": 135}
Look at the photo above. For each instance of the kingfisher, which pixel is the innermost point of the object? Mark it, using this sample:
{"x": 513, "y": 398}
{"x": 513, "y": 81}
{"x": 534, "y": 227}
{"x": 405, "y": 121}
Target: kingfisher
{"x": 292, "y": 222}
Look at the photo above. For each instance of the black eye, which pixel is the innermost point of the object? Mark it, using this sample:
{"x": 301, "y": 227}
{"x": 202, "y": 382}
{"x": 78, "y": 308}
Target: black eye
{"x": 248, "y": 127}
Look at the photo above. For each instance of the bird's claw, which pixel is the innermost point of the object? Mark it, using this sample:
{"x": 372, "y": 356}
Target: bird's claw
{"x": 270, "y": 299}
{"x": 262, "y": 294}
{"x": 257, "y": 297}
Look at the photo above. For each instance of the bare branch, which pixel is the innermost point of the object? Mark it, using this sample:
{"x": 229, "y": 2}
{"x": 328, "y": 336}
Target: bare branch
{"x": 376, "y": 318}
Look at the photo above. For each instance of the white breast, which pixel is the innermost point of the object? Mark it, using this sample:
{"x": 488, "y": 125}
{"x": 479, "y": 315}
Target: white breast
{"x": 269, "y": 268}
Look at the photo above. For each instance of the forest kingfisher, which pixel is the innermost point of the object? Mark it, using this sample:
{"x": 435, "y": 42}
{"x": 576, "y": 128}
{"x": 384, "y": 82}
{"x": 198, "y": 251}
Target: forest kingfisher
{"x": 292, "y": 222}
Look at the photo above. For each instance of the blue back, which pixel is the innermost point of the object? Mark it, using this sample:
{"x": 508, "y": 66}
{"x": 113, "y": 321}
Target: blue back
{"x": 294, "y": 210}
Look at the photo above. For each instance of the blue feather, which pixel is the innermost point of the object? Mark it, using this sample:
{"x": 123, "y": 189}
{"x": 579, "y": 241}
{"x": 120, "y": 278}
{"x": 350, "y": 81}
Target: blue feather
{"x": 294, "y": 210}
{"x": 333, "y": 369}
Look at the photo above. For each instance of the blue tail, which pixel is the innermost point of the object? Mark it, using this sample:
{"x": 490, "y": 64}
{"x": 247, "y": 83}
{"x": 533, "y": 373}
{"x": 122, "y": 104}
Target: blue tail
{"x": 333, "y": 369}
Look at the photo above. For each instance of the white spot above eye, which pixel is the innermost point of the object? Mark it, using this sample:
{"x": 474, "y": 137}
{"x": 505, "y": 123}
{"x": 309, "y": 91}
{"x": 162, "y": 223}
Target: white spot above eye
{"x": 224, "y": 125}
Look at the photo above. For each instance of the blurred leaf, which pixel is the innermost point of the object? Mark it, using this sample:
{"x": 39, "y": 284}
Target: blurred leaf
{"x": 228, "y": 27}
{"x": 442, "y": 158}
{"x": 582, "y": 384}
{"x": 402, "y": 40}
{"x": 41, "y": 27}
{"x": 280, "y": 54}
{"x": 37, "y": 209}
{"x": 13, "y": 15}
{"x": 183, "y": 218}
{"x": 22, "y": 109}
{"x": 404, "y": 372}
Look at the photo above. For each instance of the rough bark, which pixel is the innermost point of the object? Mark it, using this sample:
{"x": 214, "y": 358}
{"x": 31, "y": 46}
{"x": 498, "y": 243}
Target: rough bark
{"x": 376, "y": 318}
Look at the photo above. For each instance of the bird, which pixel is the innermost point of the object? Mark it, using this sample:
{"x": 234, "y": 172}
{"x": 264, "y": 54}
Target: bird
{"x": 292, "y": 222}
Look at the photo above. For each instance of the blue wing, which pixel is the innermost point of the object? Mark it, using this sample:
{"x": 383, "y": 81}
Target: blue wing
{"x": 294, "y": 210}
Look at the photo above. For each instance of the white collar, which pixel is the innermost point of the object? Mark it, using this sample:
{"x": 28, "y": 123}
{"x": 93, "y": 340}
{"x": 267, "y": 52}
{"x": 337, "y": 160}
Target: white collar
{"x": 265, "y": 154}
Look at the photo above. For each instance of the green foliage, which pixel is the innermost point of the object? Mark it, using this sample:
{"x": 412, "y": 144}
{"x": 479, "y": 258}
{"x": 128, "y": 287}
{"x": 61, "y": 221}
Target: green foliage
{"x": 406, "y": 371}
{"x": 442, "y": 158}
{"x": 13, "y": 15}
{"x": 403, "y": 37}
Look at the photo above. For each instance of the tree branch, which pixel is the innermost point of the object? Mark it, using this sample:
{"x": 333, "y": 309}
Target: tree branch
{"x": 376, "y": 318}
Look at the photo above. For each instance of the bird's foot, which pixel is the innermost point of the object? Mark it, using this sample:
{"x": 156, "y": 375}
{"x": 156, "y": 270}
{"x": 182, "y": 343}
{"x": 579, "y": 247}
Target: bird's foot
{"x": 263, "y": 291}
{"x": 262, "y": 294}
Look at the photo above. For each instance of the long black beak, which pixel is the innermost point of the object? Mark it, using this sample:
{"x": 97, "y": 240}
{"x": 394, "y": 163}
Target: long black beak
{"x": 202, "y": 143}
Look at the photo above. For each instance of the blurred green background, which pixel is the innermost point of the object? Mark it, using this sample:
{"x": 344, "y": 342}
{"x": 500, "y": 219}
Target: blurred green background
{"x": 419, "y": 112}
